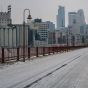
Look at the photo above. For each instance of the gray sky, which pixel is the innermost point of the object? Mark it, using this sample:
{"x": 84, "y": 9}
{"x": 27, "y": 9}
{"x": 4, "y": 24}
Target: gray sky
{"x": 45, "y": 9}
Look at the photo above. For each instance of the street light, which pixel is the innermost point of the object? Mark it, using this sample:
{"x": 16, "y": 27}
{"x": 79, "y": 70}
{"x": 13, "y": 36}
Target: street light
{"x": 29, "y": 17}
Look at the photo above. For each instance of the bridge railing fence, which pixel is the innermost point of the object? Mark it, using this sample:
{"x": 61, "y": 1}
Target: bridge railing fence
{"x": 16, "y": 54}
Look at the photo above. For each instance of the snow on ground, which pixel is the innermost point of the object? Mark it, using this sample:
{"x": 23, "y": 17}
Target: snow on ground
{"x": 22, "y": 74}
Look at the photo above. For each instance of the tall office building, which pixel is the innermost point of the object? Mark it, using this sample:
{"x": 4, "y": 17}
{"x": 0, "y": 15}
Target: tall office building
{"x": 42, "y": 30}
{"x": 61, "y": 17}
{"x": 81, "y": 21}
{"x": 81, "y": 17}
{"x": 78, "y": 16}
{"x": 71, "y": 17}
{"x": 51, "y": 26}
{"x": 75, "y": 28}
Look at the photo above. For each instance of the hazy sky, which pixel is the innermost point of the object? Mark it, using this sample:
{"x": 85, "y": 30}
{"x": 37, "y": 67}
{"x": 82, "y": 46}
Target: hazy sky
{"x": 44, "y": 9}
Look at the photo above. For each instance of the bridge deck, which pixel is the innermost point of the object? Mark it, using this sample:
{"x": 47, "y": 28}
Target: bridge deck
{"x": 64, "y": 70}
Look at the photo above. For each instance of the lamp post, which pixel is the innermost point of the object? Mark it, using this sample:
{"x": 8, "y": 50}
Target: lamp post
{"x": 29, "y": 17}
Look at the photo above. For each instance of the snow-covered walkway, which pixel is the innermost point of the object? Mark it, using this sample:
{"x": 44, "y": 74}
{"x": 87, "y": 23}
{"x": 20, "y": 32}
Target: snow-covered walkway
{"x": 63, "y": 70}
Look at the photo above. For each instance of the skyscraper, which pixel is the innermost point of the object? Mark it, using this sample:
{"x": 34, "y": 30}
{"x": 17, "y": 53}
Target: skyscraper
{"x": 81, "y": 17}
{"x": 51, "y": 26}
{"x": 78, "y": 16}
{"x": 61, "y": 17}
{"x": 71, "y": 17}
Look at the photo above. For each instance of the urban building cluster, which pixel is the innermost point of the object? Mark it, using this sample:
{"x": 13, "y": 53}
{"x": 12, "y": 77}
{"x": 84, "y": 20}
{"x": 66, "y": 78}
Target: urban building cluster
{"x": 44, "y": 34}
{"x": 76, "y": 33}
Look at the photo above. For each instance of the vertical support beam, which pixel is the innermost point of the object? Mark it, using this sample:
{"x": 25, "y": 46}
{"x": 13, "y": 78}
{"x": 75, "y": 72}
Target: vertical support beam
{"x": 17, "y": 54}
{"x": 53, "y": 50}
{"x": 49, "y": 50}
{"x": 36, "y": 51}
{"x": 43, "y": 51}
{"x": 24, "y": 41}
{"x": 3, "y": 61}
{"x": 57, "y": 49}
{"x": 28, "y": 52}
{"x": 60, "y": 49}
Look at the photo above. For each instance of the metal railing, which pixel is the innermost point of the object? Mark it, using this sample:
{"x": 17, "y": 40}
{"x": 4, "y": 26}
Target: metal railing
{"x": 16, "y": 54}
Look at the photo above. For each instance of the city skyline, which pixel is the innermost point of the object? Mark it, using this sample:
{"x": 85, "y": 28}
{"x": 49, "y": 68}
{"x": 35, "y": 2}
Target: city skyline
{"x": 44, "y": 9}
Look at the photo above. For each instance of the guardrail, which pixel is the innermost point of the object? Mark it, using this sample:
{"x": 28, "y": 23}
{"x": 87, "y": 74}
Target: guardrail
{"x": 16, "y": 54}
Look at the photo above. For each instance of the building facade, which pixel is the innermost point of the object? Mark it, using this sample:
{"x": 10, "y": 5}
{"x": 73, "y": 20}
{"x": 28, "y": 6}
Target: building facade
{"x": 75, "y": 28}
{"x": 5, "y": 19}
{"x": 51, "y": 37}
{"x": 41, "y": 29}
{"x": 61, "y": 17}
{"x": 81, "y": 17}
{"x": 51, "y": 26}
{"x": 57, "y": 36}
{"x": 64, "y": 30}
{"x": 71, "y": 17}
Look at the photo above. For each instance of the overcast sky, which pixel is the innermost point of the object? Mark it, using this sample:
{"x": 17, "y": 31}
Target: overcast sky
{"x": 44, "y": 9}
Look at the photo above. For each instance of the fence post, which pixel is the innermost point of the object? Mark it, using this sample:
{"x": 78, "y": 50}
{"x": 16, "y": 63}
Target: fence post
{"x": 49, "y": 50}
{"x": 3, "y": 55}
{"x": 28, "y": 52}
{"x": 53, "y": 49}
{"x": 67, "y": 48}
{"x": 36, "y": 51}
{"x": 57, "y": 49}
{"x": 17, "y": 53}
{"x": 43, "y": 51}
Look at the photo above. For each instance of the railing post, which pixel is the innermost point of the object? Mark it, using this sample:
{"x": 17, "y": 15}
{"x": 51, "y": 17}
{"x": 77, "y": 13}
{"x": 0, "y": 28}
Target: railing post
{"x": 28, "y": 52}
{"x": 67, "y": 48}
{"x": 53, "y": 49}
{"x": 60, "y": 49}
{"x": 49, "y": 50}
{"x": 3, "y": 55}
{"x": 57, "y": 49}
{"x": 43, "y": 51}
{"x": 17, "y": 53}
{"x": 36, "y": 51}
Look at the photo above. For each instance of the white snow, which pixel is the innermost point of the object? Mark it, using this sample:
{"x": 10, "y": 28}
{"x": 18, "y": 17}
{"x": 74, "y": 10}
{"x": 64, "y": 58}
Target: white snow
{"x": 22, "y": 74}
